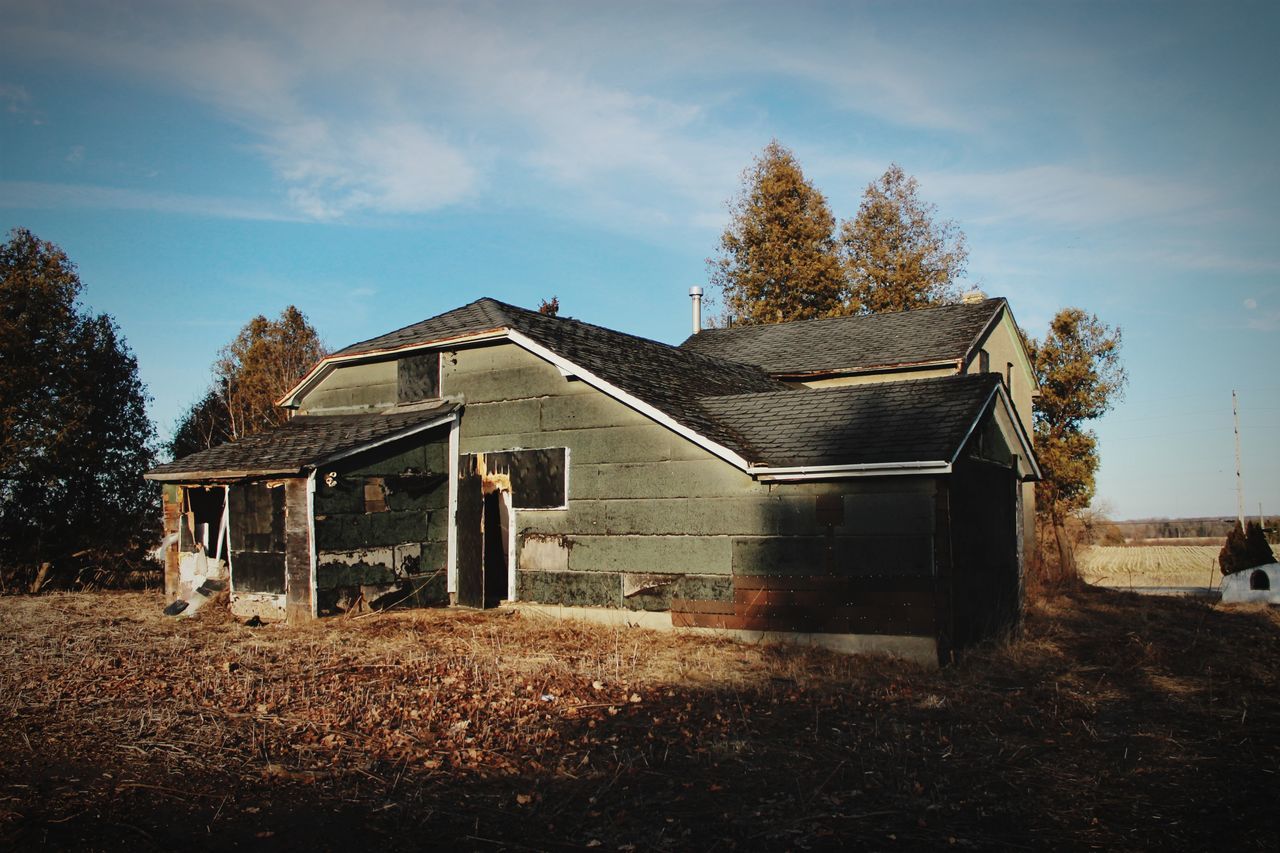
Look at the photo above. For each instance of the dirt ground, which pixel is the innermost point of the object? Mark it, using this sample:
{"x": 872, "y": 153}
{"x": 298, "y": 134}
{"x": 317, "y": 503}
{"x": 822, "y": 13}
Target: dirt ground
{"x": 1115, "y": 721}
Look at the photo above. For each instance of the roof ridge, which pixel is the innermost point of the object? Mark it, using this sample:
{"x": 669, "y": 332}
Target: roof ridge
{"x": 848, "y": 317}
{"x": 718, "y": 361}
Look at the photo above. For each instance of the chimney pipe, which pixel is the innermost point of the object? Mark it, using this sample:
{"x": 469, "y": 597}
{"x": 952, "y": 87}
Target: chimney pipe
{"x": 695, "y": 293}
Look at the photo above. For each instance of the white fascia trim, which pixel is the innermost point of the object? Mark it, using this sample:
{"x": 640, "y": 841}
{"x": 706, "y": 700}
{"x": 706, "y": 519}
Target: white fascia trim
{"x": 626, "y": 399}
{"x": 842, "y": 472}
{"x": 1023, "y": 441}
{"x": 311, "y": 535}
{"x": 404, "y": 433}
{"x": 451, "y": 543}
{"x": 326, "y": 364}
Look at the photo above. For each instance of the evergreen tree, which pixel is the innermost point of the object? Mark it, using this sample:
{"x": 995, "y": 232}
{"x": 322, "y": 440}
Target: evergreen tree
{"x": 895, "y": 256}
{"x": 75, "y": 439}
{"x": 1234, "y": 555}
{"x": 1256, "y": 546}
{"x": 1081, "y": 377}
{"x": 777, "y": 258}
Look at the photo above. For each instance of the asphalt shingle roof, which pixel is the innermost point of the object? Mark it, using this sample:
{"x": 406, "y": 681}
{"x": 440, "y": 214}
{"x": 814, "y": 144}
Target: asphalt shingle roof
{"x": 736, "y": 405}
{"x": 851, "y": 343}
{"x": 921, "y": 420}
{"x": 671, "y": 379}
{"x": 305, "y": 440}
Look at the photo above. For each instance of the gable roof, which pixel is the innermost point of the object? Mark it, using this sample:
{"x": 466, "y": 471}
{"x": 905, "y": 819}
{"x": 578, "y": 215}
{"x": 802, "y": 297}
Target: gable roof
{"x": 736, "y": 411}
{"x": 944, "y": 334}
{"x": 672, "y": 380}
{"x": 302, "y": 443}
{"x": 921, "y": 423}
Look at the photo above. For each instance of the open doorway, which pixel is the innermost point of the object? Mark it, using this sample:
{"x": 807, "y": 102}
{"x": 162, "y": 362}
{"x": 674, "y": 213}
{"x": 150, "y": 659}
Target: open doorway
{"x": 483, "y": 527}
{"x": 496, "y": 526}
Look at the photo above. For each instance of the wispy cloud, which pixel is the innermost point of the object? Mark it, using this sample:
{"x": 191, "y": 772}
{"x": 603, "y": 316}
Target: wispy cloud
{"x": 14, "y": 98}
{"x": 1064, "y": 195}
{"x": 38, "y": 195}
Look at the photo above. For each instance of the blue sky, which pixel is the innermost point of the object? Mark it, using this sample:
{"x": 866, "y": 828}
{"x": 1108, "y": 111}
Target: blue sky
{"x": 377, "y": 163}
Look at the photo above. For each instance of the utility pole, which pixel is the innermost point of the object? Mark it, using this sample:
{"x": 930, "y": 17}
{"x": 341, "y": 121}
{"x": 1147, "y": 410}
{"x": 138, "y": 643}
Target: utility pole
{"x": 1235, "y": 413}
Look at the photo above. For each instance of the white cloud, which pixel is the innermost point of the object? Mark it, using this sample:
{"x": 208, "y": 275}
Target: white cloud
{"x": 400, "y": 167}
{"x": 1251, "y": 303}
{"x": 75, "y": 156}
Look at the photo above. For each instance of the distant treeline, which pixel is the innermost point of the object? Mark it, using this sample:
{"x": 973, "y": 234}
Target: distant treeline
{"x": 1215, "y": 527}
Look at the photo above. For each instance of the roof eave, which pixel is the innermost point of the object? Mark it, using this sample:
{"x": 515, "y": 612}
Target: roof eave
{"x": 769, "y": 474}
{"x": 220, "y": 475}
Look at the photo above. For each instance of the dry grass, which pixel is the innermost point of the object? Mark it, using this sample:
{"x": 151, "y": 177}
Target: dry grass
{"x": 1128, "y": 566}
{"x": 1115, "y": 721}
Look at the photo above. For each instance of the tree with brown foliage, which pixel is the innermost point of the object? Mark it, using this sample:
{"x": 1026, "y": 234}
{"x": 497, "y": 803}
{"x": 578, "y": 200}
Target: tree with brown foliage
{"x": 896, "y": 256}
{"x": 1081, "y": 377}
{"x": 265, "y": 360}
{"x": 777, "y": 259}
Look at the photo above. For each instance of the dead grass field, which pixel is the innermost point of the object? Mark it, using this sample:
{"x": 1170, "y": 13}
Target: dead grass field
{"x": 1126, "y": 566}
{"x": 1116, "y": 721}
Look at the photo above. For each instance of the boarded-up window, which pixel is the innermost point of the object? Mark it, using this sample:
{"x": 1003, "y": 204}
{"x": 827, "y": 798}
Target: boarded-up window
{"x": 375, "y": 494}
{"x": 418, "y": 377}
{"x": 538, "y": 477}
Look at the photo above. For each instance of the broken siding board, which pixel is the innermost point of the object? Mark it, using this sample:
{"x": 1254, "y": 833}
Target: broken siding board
{"x": 171, "y": 497}
{"x": 297, "y": 552}
{"x": 515, "y": 381}
{"x": 710, "y": 588}
{"x": 572, "y": 589}
{"x": 537, "y": 476}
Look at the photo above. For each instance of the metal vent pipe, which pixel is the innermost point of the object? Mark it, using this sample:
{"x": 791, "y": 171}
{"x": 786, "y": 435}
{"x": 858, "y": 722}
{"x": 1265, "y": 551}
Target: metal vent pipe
{"x": 695, "y": 293}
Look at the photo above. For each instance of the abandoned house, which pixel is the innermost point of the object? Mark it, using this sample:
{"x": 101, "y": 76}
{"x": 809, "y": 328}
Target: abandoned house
{"x": 861, "y": 482}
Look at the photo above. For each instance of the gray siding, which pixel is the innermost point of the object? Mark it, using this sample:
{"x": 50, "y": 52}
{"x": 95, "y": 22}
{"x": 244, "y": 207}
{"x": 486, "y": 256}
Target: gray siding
{"x": 650, "y": 510}
{"x": 353, "y": 388}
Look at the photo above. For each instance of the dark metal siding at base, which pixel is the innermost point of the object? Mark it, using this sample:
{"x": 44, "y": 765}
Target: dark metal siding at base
{"x": 818, "y": 604}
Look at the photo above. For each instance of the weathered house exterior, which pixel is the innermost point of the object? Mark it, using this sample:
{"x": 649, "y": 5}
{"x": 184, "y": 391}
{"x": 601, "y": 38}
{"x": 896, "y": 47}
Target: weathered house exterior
{"x": 496, "y": 454}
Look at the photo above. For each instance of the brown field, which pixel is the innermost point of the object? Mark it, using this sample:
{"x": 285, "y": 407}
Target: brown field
{"x": 1116, "y": 721}
{"x": 1150, "y": 565}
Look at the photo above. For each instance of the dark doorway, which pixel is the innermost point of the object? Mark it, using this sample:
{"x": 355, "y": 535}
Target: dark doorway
{"x": 482, "y": 528}
{"x": 495, "y": 549}
{"x": 257, "y": 537}
{"x": 469, "y": 528}
{"x": 985, "y": 585}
